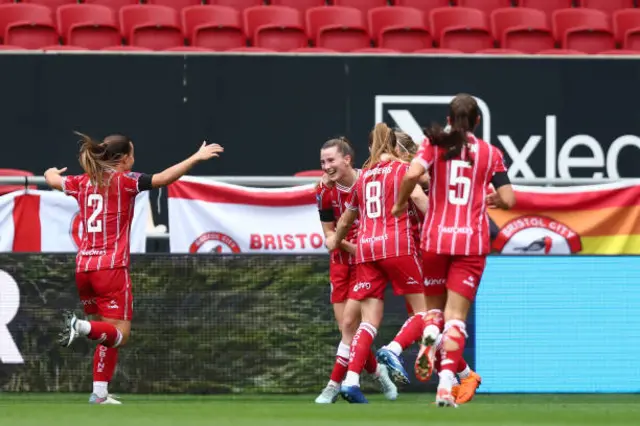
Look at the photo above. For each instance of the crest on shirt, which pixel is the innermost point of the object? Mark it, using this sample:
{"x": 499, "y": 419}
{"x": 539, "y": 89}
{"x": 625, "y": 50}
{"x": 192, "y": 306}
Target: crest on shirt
{"x": 214, "y": 242}
{"x": 537, "y": 235}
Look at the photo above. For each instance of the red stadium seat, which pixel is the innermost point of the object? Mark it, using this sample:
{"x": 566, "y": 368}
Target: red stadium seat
{"x": 309, "y": 173}
{"x": 521, "y": 29}
{"x": 275, "y": 27}
{"x": 607, "y": 6}
{"x": 497, "y": 51}
{"x": 337, "y": 28}
{"x": 547, "y": 6}
{"x": 375, "y": 50}
{"x": 301, "y": 5}
{"x": 461, "y": 28}
{"x": 62, "y": 47}
{"x": 213, "y": 27}
{"x": 237, "y": 4}
{"x": 88, "y": 25}
{"x": 436, "y": 51}
{"x": 561, "y": 52}
{"x": 155, "y": 27}
{"x": 487, "y": 6}
{"x": 399, "y": 28}
{"x": 620, "y": 52}
{"x": 425, "y": 6}
{"x": 178, "y": 5}
{"x": 585, "y": 30}
{"x": 251, "y": 49}
{"x": 126, "y": 49}
{"x": 625, "y": 20}
{"x": 187, "y": 49}
{"x": 5, "y": 189}
{"x": 52, "y": 4}
{"x": 632, "y": 39}
{"x": 27, "y": 25}
{"x": 362, "y": 5}
{"x": 312, "y": 50}
{"x": 113, "y": 4}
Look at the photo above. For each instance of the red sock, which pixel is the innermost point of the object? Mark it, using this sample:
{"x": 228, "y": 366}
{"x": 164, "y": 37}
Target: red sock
{"x": 410, "y": 331}
{"x": 371, "y": 366}
{"x": 342, "y": 363}
{"x": 451, "y": 359}
{"x": 361, "y": 347}
{"x": 104, "y": 363}
{"x": 462, "y": 365}
{"x": 435, "y": 317}
{"x": 105, "y": 333}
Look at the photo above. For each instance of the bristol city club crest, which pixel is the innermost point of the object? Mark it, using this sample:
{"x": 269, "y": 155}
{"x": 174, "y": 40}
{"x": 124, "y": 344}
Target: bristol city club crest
{"x": 214, "y": 242}
{"x": 537, "y": 235}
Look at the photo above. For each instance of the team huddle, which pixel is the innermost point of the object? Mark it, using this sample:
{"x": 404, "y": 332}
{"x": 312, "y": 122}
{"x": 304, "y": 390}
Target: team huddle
{"x": 381, "y": 227}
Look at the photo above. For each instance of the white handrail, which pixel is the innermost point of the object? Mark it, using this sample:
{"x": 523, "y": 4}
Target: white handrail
{"x": 275, "y": 181}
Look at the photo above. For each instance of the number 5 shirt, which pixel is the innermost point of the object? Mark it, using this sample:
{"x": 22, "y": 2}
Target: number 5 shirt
{"x": 380, "y": 234}
{"x": 106, "y": 215}
{"x": 457, "y": 222}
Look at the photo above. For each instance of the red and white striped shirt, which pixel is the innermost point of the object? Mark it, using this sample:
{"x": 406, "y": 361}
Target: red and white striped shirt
{"x": 456, "y": 222}
{"x": 106, "y": 214}
{"x": 380, "y": 234}
{"x": 335, "y": 198}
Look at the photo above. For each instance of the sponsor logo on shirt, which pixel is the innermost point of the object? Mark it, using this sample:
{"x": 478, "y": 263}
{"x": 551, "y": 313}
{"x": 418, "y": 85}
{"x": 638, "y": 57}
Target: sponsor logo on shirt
{"x": 369, "y": 240}
{"x": 93, "y": 252}
{"x": 466, "y": 230}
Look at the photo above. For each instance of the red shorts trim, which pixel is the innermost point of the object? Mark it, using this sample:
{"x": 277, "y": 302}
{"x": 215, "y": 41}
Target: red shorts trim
{"x": 404, "y": 273}
{"x": 106, "y": 293}
{"x": 461, "y": 274}
{"x": 342, "y": 279}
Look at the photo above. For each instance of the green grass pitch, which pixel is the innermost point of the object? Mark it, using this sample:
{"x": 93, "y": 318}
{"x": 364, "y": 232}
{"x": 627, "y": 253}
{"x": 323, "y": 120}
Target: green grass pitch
{"x": 409, "y": 410}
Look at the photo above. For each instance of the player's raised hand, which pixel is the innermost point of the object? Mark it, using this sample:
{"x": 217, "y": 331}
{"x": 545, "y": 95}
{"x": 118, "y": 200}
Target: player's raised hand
{"x": 207, "y": 152}
{"x": 56, "y": 171}
{"x": 399, "y": 209}
{"x": 493, "y": 201}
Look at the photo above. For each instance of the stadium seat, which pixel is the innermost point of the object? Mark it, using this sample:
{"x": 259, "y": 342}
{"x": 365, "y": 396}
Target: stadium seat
{"x": 309, "y": 173}
{"x": 521, "y": 29}
{"x": 560, "y": 52}
{"x": 27, "y": 25}
{"x": 425, "y": 6}
{"x": 126, "y": 49}
{"x": 498, "y": 51}
{"x": 632, "y": 39}
{"x": 547, "y": 6}
{"x": 213, "y": 27}
{"x": 250, "y": 49}
{"x": 63, "y": 47}
{"x": 625, "y": 20}
{"x": 52, "y": 4}
{"x": 155, "y": 27}
{"x": 116, "y": 5}
{"x": 460, "y": 28}
{"x": 399, "y": 28}
{"x": 301, "y": 5}
{"x": 586, "y": 30}
{"x": 312, "y": 50}
{"x": 5, "y": 189}
{"x": 237, "y": 4}
{"x": 436, "y": 51}
{"x": 187, "y": 49}
{"x": 487, "y": 6}
{"x": 337, "y": 28}
{"x": 607, "y": 6}
{"x": 620, "y": 52}
{"x": 362, "y": 5}
{"x": 375, "y": 50}
{"x": 275, "y": 27}
{"x": 178, "y": 5}
{"x": 88, "y": 25}
{"x": 10, "y": 47}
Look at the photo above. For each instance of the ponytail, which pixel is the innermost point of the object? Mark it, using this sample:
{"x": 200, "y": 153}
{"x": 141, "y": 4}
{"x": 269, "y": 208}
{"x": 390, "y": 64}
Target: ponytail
{"x": 463, "y": 116}
{"x": 96, "y": 158}
{"x": 382, "y": 140}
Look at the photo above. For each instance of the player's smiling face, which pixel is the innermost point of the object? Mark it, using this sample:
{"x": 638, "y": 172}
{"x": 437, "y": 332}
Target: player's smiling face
{"x": 334, "y": 164}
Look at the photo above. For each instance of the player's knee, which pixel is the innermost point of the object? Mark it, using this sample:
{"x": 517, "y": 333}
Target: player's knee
{"x": 349, "y": 325}
{"x": 126, "y": 333}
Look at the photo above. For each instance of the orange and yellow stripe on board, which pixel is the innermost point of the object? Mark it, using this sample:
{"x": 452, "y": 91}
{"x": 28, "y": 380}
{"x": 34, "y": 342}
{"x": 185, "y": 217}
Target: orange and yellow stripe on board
{"x": 596, "y": 219}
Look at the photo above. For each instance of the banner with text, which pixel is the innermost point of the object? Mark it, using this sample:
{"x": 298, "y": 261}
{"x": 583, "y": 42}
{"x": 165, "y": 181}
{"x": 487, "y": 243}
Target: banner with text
{"x": 597, "y": 219}
{"x": 48, "y": 221}
{"x": 207, "y": 216}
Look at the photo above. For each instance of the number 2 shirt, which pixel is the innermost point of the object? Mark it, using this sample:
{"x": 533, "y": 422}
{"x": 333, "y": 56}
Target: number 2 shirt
{"x": 380, "y": 234}
{"x": 456, "y": 222}
{"x": 106, "y": 215}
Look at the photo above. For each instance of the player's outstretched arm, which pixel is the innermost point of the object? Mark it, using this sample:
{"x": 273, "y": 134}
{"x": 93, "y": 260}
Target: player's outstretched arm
{"x": 173, "y": 173}
{"x": 53, "y": 177}
{"x": 342, "y": 228}
{"x": 408, "y": 185}
{"x": 504, "y": 198}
